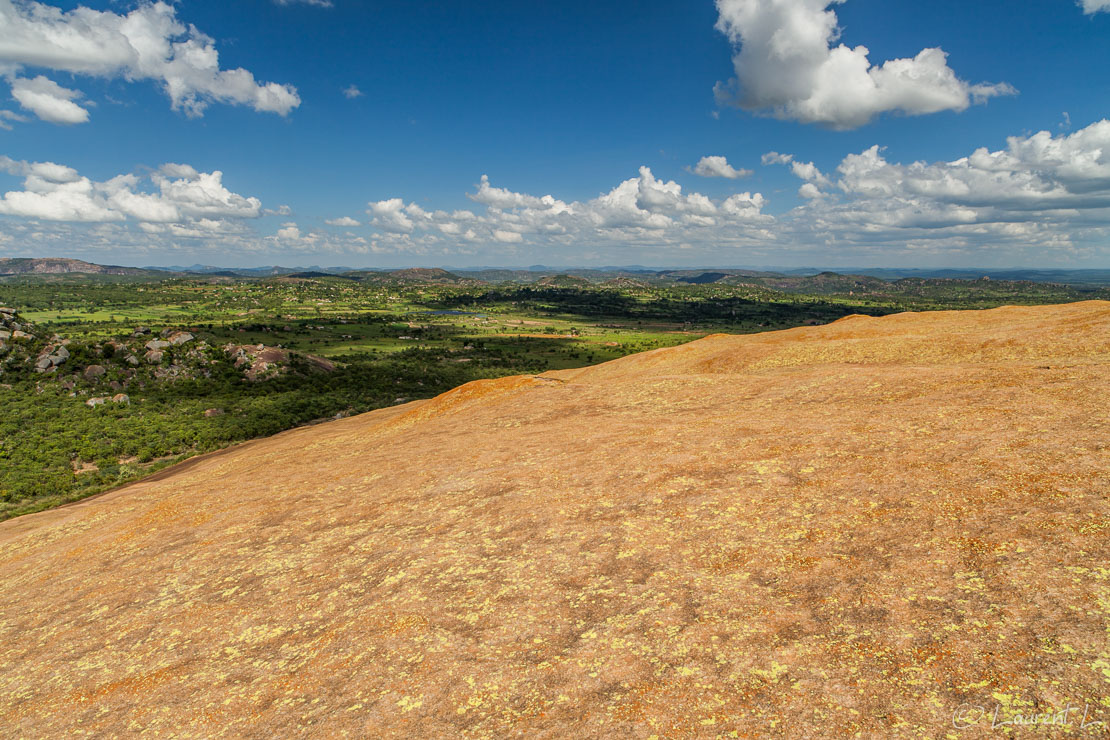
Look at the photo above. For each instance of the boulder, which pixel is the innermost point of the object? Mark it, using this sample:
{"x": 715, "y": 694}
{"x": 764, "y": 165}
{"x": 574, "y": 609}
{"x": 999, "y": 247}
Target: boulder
{"x": 141, "y": 331}
{"x": 94, "y": 372}
{"x": 180, "y": 337}
{"x": 132, "y": 360}
{"x": 121, "y": 398}
{"x": 213, "y": 412}
{"x": 93, "y": 402}
{"x": 154, "y": 357}
{"x": 18, "y": 334}
{"x": 43, "y": 364}
{"x": 5, "y": 334}
{"x": 320, "y": 363}
{"x": 7, "y": 311}
{"x": 60, "y": 355}
{"x": 155, "y": 345}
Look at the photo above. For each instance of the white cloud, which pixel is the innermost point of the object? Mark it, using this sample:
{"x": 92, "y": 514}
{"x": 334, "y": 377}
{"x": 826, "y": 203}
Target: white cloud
{"x": 289, "y": 231}
{"x": 6, "y": 116}
{"x": 718, "y": 167}
{"x": 48, "y": 100}
{"x": 1091, "y": 7}
{"x": 54, "y": 192}
{"x": 1041, "y": 192}
{"x": 389, "y": 215}
{"x": 352, "y": 92}
{"x": 149, "y": 43}
{"x": 504, "y": 199}
{"x": 342, "y": 221}
{"x": 786, "y": 65}
{"x": 508, "y": 237}
{"x": 1039, "y": 199}
{"x": 804, "y": 170}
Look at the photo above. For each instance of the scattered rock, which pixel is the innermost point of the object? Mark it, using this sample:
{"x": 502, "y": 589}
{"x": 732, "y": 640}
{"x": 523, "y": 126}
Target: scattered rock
{"x": 141, "y": 331}
{"x": 213, "y": 412}
{"x": 94, "y": 372}
{"x": 93, "y": 402}
{"x": 320, "y": 363}
{"x": 180, "y": 337}
{"x": 154, "y": 357}
{"x": 50, "y": 359}
{"x": 132, "y": 360}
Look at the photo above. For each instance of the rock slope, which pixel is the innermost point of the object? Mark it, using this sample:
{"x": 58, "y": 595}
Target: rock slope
{"x": 854, "y": 528}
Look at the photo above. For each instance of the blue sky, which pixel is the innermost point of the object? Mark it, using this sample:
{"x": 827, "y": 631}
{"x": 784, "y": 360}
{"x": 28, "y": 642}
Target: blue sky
{"x": 607, "y": 108}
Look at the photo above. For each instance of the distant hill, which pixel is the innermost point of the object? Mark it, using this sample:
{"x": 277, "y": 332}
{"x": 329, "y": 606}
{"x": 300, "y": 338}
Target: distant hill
{"x": 61, "y": 266}
{"x": 563, "y": 281}
{"x": 431, "y": 275}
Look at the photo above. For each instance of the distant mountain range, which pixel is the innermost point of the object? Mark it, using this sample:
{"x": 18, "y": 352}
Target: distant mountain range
{"x": 782, "y": 278}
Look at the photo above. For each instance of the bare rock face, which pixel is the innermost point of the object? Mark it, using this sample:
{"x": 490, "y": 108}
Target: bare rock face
{"x": 94, "y": 372}
{"x": 836, "y": 531}
{"x": 180, "y": 337}
{"x": 51, "y": 358}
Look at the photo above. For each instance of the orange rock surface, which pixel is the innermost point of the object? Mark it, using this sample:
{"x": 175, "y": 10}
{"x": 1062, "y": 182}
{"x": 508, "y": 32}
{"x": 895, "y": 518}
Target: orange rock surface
{"x": 854, "y": 528}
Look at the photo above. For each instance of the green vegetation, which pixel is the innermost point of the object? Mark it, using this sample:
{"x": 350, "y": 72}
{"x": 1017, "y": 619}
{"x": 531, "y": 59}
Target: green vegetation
{"x": 264, "y": 354}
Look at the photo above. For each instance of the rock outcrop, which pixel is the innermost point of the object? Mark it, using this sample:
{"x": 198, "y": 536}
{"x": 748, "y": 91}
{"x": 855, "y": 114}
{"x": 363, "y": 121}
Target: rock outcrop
{"x": 837, "y": 531}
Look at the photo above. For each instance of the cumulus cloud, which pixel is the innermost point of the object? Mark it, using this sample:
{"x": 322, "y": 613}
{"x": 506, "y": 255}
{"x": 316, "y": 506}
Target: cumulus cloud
{"x": 1091, "y": 7}
{"x": 289, "y": 231}
{"x": 786, "y": 65}
{"x": 640, "y": 209}
{"x": 352, "y": 92}
{"x": 183, "y": 196}
{"x": 1041, "y": 192}
{"x": 807, "y": 171}
{"x": 718, "y": 167}
{"x": 1040, "y": 198}
{"x": 48, "y": 100}
{"x": 342, "y": 221}
{"x": 149, "y": 43}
